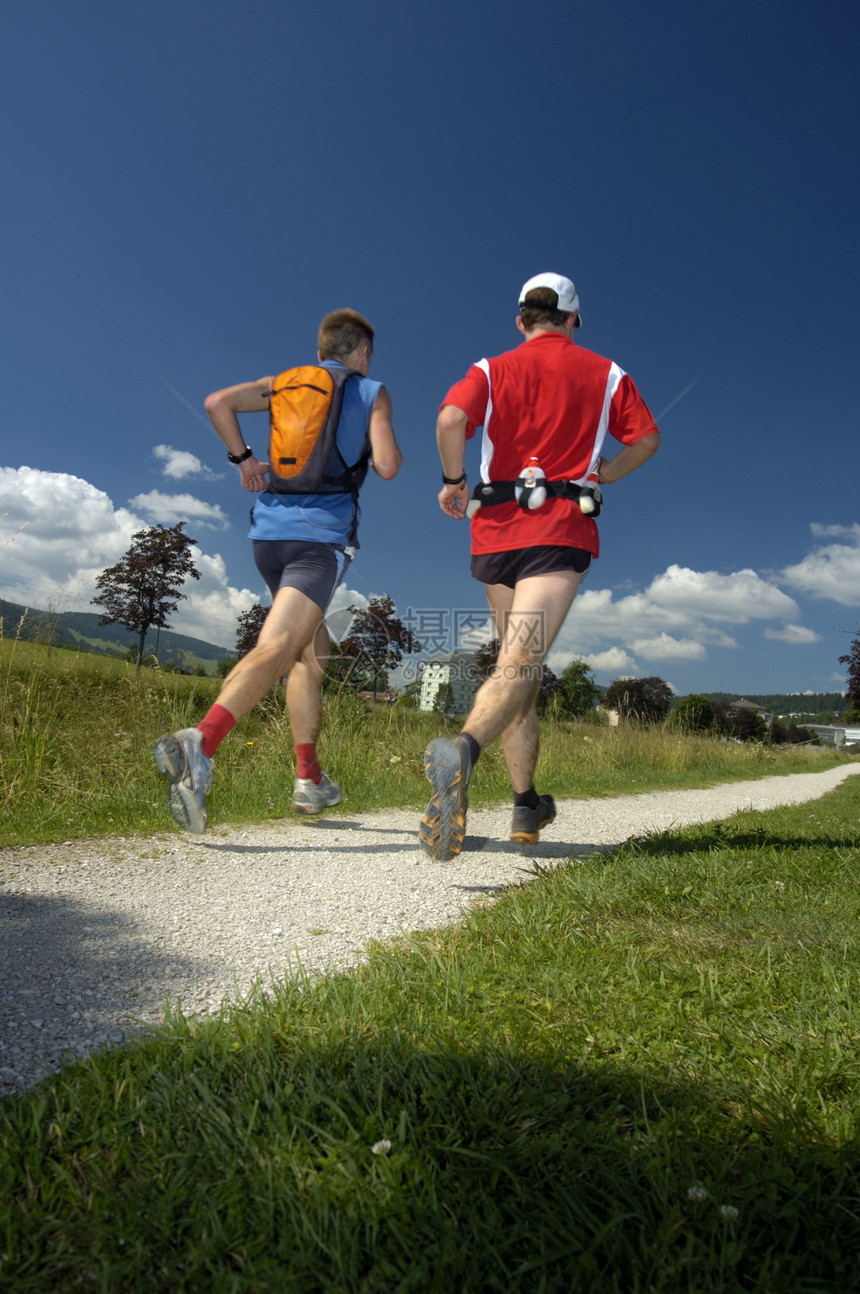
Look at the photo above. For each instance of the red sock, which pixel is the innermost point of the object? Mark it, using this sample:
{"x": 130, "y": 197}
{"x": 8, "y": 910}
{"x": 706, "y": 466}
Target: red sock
{"x": 215, "y": 727}
{"x": 307, "y": 764}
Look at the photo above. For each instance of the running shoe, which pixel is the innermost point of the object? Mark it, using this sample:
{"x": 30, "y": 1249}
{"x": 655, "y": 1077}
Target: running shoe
{"x": 527, "y": 823}
{"x": 181, "y": 761}
{"x": 313, "y": 797}
{"x": 448, "y": 765}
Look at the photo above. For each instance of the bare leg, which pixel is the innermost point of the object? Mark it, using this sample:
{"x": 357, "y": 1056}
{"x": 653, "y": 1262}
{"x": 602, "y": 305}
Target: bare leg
{"x": 182, "y": 758}
{"x": 521, "y": 743}
{"x": 289, "y": 628}
{"x": 527, "y": 619}
{"x": 304, "y": 684}
{"x": 521, "y": 737}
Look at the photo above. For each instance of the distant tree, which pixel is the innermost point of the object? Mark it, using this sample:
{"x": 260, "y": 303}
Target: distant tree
{"x": 377, "y": 641}
{"x": 693, "y": 713}
{"x": 782, "y": 734}
{"x": 223, "y": 667}
{"x": 644, "y": 699}
{"x": 143, "y": 589}
{"x": 485, "y": 658}
{"x": 550, "y": 691}
{"x": 852, "y": 696}
{"x": 143, "y": 662}
{"x": 409, "y": 696}
{"x": 444, "y": 702}
{"x": 740, "y": 722}
{"x": 578, "y": 688}
{"x": 335, "y": 670}
{"x": 248, "y": 628}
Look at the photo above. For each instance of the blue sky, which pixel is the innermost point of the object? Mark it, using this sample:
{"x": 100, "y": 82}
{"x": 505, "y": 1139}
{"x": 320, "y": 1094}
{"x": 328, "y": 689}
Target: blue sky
{"x": 189, "y": 187}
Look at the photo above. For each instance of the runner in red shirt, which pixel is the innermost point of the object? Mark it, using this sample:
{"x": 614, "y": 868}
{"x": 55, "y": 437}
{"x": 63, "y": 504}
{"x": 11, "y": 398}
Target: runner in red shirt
{"x": 545, "y": 409}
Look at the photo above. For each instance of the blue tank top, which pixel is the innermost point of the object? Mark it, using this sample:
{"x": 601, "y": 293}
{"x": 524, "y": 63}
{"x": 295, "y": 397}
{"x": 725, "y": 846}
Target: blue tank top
{"x": 323, "y": 518}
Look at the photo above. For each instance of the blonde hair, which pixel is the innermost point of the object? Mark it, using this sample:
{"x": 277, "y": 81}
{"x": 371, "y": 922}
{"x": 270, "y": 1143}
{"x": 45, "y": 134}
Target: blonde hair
{"x": 341, "y": 332}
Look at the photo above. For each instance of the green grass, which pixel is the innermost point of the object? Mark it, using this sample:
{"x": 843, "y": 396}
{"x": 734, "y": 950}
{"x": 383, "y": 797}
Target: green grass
{"x": 638, "y": 1072}
{"x": 76, "y": 736}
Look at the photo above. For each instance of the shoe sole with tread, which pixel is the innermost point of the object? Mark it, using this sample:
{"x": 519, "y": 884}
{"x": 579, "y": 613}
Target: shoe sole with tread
{"x": 443, "y": 827}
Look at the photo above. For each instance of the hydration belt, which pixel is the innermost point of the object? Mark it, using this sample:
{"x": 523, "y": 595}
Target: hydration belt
{"x": 486, "y": 493}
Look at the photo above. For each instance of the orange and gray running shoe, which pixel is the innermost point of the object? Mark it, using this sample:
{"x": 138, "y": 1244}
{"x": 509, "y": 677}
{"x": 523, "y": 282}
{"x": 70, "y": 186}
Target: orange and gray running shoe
{"x": 527, "y": 823}
{"x": 448, "y": 765}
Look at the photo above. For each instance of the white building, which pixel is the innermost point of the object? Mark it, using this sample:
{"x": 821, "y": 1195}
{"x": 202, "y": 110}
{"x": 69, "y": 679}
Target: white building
{"x": 456, "y": 668}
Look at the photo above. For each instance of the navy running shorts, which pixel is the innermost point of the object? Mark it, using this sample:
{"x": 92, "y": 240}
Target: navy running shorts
{"x": 519, "y": 563}
{"x": 313, "y": 569}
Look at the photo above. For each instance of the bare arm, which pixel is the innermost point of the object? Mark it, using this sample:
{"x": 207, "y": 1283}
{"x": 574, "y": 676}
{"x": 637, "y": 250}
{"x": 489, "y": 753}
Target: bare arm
{"x": 610, "y": 470}
{"x": 385, "y": 455}
{"x": 222, "y": 408}
{"x": 451, "y": 428}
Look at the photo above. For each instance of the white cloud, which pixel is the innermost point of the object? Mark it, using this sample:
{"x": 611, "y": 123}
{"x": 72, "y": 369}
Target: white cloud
{"x": 832, "y": 571}
{"x": 170, "y": 508}
{"x": 836, "y": 532}
{"x": 736, "y": 598}
{"x": 58, "y": 533}
{"x": 211, "y": 607}
{"x": 793, "y": 634}
{"x": 665, "y": 647}
{"x": 339, "y": 617}
{"x": 179, "y": 463}
{"x": 675, "y": 619}
{"x": 614, "y": 661}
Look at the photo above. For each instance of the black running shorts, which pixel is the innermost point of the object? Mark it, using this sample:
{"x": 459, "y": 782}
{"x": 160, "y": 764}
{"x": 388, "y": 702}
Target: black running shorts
{"x": 519, "y": 563}
{"x": 313, "y": 569}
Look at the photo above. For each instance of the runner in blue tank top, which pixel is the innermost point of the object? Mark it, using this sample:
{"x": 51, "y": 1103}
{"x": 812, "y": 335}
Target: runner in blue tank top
{"x": 303, "y": 544}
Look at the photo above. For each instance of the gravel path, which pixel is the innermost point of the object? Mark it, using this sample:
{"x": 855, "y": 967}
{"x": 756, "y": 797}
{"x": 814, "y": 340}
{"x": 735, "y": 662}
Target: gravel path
{"x": 95, "y": 936}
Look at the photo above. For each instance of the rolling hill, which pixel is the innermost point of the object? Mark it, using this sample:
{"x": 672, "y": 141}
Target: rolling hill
{"x": 81, "y": 630}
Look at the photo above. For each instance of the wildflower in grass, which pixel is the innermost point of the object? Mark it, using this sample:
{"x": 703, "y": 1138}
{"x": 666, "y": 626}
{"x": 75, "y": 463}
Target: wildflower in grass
{"x": 697, "y": 1193}
{"x": 381, "y": 1147}
{"x": 779, "y": 885}
{"x": 396, "y": 759}
{"x": 728, "y": 1212}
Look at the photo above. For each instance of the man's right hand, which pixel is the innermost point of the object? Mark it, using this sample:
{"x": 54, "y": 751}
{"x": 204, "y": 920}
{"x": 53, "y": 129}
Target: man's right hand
{"x": 253, "y": 474}
{"x": 454, "y": 499}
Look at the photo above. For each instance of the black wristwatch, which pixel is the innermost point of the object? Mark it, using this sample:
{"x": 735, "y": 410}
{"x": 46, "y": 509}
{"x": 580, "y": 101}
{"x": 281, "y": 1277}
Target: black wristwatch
{"x": 240, "y": 458}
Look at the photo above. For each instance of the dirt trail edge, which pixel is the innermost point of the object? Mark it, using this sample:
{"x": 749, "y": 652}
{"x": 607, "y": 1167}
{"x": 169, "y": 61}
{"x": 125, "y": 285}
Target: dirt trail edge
{"x": 95, "y": 936}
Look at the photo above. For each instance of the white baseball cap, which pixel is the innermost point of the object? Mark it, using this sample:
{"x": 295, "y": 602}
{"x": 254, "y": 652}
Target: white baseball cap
{"x": 568, "y": 301}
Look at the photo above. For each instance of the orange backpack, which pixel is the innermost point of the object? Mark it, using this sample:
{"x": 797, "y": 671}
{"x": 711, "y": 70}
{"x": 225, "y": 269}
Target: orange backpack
{"x": 304, "y": 411}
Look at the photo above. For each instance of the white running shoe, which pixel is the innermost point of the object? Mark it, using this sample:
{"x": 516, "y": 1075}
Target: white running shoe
{"x": 181, "y": 761}
{"x": 313, "y": 797}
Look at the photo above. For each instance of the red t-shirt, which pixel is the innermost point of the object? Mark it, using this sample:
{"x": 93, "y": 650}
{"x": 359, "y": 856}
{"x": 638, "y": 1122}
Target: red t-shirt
{"x": 553, "y": 400}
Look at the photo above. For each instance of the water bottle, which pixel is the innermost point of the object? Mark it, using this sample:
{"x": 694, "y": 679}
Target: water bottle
{"x": 590, "y": 499}
{"x": 530, "y": 488}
